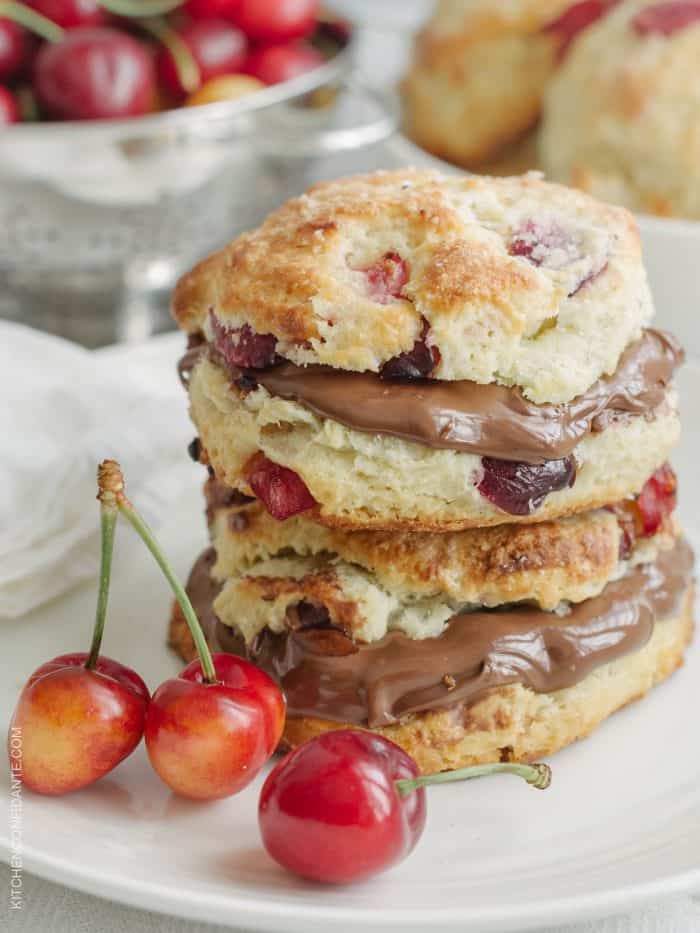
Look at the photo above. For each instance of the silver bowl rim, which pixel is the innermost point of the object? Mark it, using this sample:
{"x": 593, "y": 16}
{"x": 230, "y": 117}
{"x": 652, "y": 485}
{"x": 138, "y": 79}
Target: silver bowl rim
{"x": 190, "y": 120}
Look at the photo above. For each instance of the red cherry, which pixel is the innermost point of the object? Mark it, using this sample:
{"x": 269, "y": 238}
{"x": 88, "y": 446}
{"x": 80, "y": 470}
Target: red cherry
{"x": 274, "y": 64}
{"x": 331, "y": 811}
{"x": 209, "y": 740}
{"x": 71, "y": 13}
{"x": 578, "y": 17}
{"x": 217, "y": 47}
{"x": 277, "y": 20}
{"x": 14, "y": 48}
{"x": 9, "y": 109}
{"x": 282, "y": 491}
{"x": 521, "y": 488}
{"x": 95, "y": 74}
{"x": 76, "y": 724}
{"x": 665, "y": 19}
{"x": 657, "y": 500}
{"x": 242, "y": 346}
{"x": 212, "y": 9}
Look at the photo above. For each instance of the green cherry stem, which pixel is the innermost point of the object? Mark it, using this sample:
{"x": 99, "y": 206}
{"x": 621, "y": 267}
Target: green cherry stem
{"x": 108, "y": 524}
{"x": 31, "y": 20}
{"x": 111, "y": 490}
{"x": 185, "y": 63}
{"x": 540, "y": 776}
{"x": 134, "y": 8}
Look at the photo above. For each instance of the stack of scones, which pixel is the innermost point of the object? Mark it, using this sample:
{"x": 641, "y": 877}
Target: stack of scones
{"x": 437, "y": 425}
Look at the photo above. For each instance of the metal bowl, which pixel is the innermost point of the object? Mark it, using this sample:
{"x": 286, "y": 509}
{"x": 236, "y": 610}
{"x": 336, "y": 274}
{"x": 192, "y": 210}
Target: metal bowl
{"x": 96, "y": 216}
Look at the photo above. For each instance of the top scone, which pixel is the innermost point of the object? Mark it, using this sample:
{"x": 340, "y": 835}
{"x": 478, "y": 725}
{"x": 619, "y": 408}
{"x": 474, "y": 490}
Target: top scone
{"x": 513, "y": 281}
{"x": 622, "y": 116}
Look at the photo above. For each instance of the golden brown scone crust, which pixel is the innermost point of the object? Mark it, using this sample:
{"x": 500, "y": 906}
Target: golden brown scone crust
{"x": 479, "y": 70}
{"x": 545, "y": 563}
{"x": 492, "y": 315}
{"x": 514, "y": 722}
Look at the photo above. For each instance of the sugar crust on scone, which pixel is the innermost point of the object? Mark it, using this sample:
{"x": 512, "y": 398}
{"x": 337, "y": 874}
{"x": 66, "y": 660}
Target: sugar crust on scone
{"x": 551, "y": 326}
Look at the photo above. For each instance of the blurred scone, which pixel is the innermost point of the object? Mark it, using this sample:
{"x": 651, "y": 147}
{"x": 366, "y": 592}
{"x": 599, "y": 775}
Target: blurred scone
{"x": 622, "y": 116}
{"x": 405, "y": 350}
{"x": 480, "y": 68}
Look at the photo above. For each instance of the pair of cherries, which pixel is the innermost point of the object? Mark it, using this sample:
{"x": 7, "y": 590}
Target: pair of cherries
{"x": 339, "y": 808}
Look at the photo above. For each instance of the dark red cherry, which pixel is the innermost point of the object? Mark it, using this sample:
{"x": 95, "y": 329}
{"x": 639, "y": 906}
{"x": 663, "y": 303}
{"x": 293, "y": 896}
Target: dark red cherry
{"x": 218, "y": 48}
{"x": 274, "y": 64}
{"x": 282, "y": 491}
{"x": 9, "y": 109}
{"x": 14, "y": 48}
{"x": 71, "y": 13}
{"x": 417, "y": 363}
{"x": 242, "y": 346}
{"x": 667, "y": 18}
{"x": 94, "y": 74}
{"x": 521, "y": 488}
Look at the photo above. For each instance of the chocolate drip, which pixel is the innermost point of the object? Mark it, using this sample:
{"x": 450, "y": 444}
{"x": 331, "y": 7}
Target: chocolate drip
{"x": 381, "y": 682}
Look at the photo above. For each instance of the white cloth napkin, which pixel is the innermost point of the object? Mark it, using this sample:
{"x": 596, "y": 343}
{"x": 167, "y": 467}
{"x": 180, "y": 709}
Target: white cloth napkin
{"x": 62, "y": 410}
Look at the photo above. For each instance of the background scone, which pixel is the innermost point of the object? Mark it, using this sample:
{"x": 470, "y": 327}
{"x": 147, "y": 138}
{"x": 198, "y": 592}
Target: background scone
{"x": 479, "y": 70}
{"x": 622, "y": 115}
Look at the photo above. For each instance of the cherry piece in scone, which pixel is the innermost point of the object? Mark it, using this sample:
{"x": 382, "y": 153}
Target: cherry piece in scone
{"x": 575, "y": 19}
{"x": 208, "y": 740}
{"x": 242, "y": 346}
{"x": 416, "y": 363}
{"x": 521, "y": 488}
{"x": 282, "y": 491}
{"x": 210, "y": 730}
{"x": 79, "y": 715}
{"x": 349, "y": 804}
{"x": 667, "y": 18}
{"x": 386, "y": 278}
{"x": 217, "y": 47}
{"x": 211, "y": 9}
{"x": 95, "y": 74}
{"x": 545, "y": 242}
{"x": 14, "y": 48}
{"x": 9, "y": 108}
{"x": 649, "y": 512}
{"x": 71, "y": 13}
{"x": 277, "y": 20}
{"x": 273, "y": 64}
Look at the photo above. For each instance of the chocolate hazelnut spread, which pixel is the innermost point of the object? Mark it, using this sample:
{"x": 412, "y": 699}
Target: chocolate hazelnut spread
{"x": 489, "y": 420}
{"x": 378, "y": 683}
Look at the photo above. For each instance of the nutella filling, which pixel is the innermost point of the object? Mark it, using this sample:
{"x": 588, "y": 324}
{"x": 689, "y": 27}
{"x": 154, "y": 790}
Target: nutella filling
{"x": 324, "y": 674}
{"x": 488, "y": 420}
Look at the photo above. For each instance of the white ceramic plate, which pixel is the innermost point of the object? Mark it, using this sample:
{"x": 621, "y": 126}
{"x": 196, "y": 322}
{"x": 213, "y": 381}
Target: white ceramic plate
{"x": 620, "y": 824}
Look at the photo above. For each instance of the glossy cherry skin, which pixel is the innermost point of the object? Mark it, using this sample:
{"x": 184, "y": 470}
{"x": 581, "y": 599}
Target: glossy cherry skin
{"x": 9, "y": 109}
{"x": 71, "y": 13}
{"x": 212, "y": 9}
{"x": 75, "y": 725}
{"x": 95, "y": 74}
{"x": 330, "y": 810}
{"x": 274, "y": 64}
{"x": 14, "y": 48}
{"x": 208, "y": 741}
{"x": 218, "y": 48}
{"x": 277, "y": 20}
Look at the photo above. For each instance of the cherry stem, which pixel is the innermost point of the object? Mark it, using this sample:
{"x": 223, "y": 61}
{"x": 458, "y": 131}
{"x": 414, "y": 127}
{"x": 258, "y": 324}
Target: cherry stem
{"x": 111, "y": 492}
{"x": 108, "y": 524}
{"x": 137, "y": 8}
{"x": 31, "y": 20}
{"x": 188, "y": 70}
{"x": 540, "y": 776}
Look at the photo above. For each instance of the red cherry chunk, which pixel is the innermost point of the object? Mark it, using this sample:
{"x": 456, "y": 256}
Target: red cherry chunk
{"x": 577, "y": 18}
{"x": 330, "y": 811}
{"x": 667, "y": 18}
{"x": 282, "y": 491}
{"x": 521, "y": 488}
{"x": 545, "y": 242}
{"x": 9, "y": 108}
{"x": 277, "y": 20}
{"x": 386, "y": 278}
{"x": 273, "y": 64}
{"x": 71, "y": 13}
{"x": 657, "y": 500}
{"x": 416, "y": 363}
{"x": 242, "y": 346}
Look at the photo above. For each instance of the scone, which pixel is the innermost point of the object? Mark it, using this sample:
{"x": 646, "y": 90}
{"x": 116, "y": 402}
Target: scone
{"x": 480, "y": 68}
{"x": 411, "y": 351}
{"x": 622, "y": 117}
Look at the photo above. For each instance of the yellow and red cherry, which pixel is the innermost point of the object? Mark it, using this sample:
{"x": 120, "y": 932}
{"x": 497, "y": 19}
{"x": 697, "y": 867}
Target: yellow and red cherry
{"x": 214, "y": 46}
{"x": 225, "y": 87}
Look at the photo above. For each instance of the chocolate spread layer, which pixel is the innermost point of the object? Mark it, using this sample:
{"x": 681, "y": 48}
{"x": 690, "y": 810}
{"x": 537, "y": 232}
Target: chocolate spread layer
{"x": 488, "y": 420}
{"x": 324, "y": 674}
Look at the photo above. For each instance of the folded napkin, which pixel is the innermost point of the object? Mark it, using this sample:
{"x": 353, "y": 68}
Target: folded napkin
{"x": 62, "y": 410}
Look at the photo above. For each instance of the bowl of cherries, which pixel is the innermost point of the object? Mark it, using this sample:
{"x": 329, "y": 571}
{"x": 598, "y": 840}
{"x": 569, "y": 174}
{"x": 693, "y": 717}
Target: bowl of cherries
{"x": 138, "y": 135}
